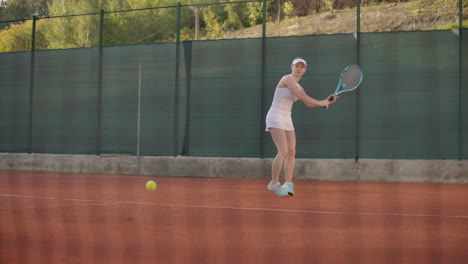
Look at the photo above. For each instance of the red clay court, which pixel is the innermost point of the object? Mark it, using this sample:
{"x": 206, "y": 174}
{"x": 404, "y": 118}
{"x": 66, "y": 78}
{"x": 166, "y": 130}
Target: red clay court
{"x": 54, "y": 217}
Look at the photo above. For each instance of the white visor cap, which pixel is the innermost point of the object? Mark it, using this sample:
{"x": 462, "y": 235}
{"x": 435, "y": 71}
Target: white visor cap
{"x": 299, "y": 60}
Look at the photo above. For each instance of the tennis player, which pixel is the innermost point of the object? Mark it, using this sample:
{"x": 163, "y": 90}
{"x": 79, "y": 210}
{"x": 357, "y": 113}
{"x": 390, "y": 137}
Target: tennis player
{"x": 279, "y": 124}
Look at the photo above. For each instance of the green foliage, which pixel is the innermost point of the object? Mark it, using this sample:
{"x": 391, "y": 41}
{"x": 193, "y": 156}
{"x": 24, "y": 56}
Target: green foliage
{"x": 157, "y": 25}
{"x": 148, "y": 26}
{"x": 22, "y": 9}
{"x": 18, "y": 37}
{"x": 214, "y": 17}
{"x": 329, "y": 5}
{"x": 288, "y": 9}
{"x": 72, "y": 32}
{"x": 256, "y": 13}
{"x": 452, "y": 26}
{"x": 221, "y": 18}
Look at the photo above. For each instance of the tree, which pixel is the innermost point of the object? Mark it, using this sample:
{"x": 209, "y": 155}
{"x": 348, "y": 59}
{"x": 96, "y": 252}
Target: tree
{"x": 23, "y": 9}
{"x": 132, "y": 27}
{"x": 77, "y": 31}
{"x": 128, "y": 27}
{"x": 221, "y": 18}
{"x": 18, "y": 37}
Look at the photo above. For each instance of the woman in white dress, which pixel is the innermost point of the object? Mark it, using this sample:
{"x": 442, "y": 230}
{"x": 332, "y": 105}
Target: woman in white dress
{"x": 279, "y": 124}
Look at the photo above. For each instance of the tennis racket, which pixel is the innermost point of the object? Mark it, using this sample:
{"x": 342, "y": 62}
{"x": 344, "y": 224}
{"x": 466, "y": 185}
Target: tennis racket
{"x": 350, "y": 79}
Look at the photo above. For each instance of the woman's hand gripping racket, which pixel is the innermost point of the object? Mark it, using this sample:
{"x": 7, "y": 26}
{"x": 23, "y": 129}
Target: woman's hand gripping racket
{"x": 350, "y": 79}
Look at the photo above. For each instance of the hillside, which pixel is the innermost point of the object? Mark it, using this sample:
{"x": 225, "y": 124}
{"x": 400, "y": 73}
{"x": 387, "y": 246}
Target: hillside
{"x": 407, "y": 16}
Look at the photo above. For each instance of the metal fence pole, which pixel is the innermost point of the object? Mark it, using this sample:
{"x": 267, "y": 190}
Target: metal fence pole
{"x": 460, "y": 80}
{"x": 31, "y": 84}
{"x": 262, "y": 88}
{"x": 101, "y": 28}
{"x": 33, "y": 38}
{"x": 176, "y": 92}
{"x": 99, "y": 95}
{"x": 358, "y": 98}
{"x": 358, "y": 13}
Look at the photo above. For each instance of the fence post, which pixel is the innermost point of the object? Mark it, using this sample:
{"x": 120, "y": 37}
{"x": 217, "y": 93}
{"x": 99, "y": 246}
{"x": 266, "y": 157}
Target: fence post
{"x": 358, "y": 55}
{"x": 262, "y": 88}
{"x": 188, "y": 70}
{"x": 99, "y": 94}
{"x": 31, "y": 84}
{"x": 101, "y": 28}
{"x": 358, "y": 12}
{"x": 33, "y": 38}
{"x": 176, "y": 92}
{"x": 264, "y": 19}
{"x": 460, "y": 14}
{"x": 460, "y": 80}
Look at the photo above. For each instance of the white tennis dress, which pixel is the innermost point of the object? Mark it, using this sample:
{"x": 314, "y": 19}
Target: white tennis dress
{"x": 279, "y": 115}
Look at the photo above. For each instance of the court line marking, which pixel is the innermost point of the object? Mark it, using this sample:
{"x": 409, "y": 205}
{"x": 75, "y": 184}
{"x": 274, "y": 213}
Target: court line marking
{"x": 57, "y": 206}
{"x": 103, "y": 203}
{"x": 46, "y": 198}
{"x": 300, "y": 211}
{"x": 319, "y": 193}
{"x": 92, "y": 202}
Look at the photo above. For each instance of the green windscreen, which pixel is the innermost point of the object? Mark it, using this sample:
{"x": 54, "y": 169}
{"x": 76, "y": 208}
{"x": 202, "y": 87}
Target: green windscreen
{"x": 14, "y": 101}
{"x": 319, "y": 132}
{"x": 409, "y": 100}
{"x": 120, "y": 85}
{"x": 65, "y": 101}
{"x": 210, "y": 98}
{"x": 225, "y": 98}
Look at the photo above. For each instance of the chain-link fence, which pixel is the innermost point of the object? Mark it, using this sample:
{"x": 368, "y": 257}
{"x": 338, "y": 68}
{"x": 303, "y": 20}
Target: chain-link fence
{"x": 228, "y": 20}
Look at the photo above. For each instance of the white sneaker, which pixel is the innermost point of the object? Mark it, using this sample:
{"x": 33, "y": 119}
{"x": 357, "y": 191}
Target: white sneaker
{"x": 277, "y": 189}
{"x": 289, "y": 187}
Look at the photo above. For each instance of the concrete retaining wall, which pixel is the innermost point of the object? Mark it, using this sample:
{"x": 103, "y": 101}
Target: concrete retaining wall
{"x": 437, "y": 171}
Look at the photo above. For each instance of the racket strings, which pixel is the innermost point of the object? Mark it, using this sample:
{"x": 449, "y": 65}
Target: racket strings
{"x": 351, "y": 77}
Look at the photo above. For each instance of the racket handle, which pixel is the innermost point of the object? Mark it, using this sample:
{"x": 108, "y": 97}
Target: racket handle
{"x": 330, "y": 99}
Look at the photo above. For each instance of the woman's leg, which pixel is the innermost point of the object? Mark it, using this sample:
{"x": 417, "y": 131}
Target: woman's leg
{"x": 281, "y": 143}
{"x": 290, "y": 156}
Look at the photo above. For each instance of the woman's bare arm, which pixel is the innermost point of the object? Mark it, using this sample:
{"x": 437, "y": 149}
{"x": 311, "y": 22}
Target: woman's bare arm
{"x": 300, "y": 93}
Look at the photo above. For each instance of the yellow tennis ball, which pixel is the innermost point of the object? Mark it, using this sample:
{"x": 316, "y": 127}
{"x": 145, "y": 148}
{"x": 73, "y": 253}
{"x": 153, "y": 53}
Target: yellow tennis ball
{"x": 151, "y": 186}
